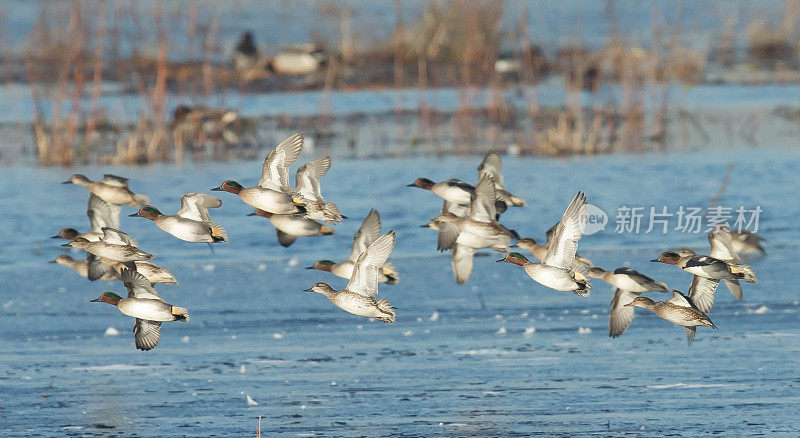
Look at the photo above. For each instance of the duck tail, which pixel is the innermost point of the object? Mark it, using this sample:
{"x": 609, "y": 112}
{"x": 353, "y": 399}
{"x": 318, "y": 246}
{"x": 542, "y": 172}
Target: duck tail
{"x": 584, "y": 287}
{"x": 388, "y": 315}
{"x": 745, "y": 272}
{"x": 180, "y": 313}
{"x": 518, "y": 202}
{"x": 392, "y": 276}
{"x": 217, "y": 232}
{"x": 663, "y": 285}
{"x": 139, "y": 200}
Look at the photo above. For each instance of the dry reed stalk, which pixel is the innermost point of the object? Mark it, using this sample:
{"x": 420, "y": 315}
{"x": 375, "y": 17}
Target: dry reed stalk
{"x": 97, "y": 77}
{"x": 208, "y": 48}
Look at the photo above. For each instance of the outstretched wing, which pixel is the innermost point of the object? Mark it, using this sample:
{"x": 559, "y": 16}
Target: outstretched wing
{"x": 275, "y": 170}
{"x": 459, "y": 210}
{"x": 701, "y": 292}
{"x": 113, "y": 180}
{"x": 461, "y": 260}
{"x": 146, "y": 334}
{"x": 369, "y": 231}
{"x": 564, "y": 242}
{"x": 365, "y": 272}
{"x": 195, "y": 206}
{"x": 307, "y": 178}
{"x": 620, "y": 315}
{"x": 137, "y": 284}
{"x": 722, "y": 246}
{"x": 117, "y": 237}
{"x": 482, "y": 207}
{"x": 102, "y": 214}
{"x": 491, "y": 166}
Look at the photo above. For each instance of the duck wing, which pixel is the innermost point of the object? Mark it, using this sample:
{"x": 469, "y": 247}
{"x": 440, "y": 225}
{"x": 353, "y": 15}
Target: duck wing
{"x": 564, "y": 242}
{"x": 459, "y": 210}
{"x": 275, "y": 170}
{"x": 642, "y": 279}
{"x": 620, "y": 315}
{"x": 461, "y": 260}
{"x": 690, "y": 333}
{"x": 307, "y": 178}
{"x": 482, "y": 207}
{"x": 448, "y": 234}
{"x": 96, "y": 270}
{"x": 722, "y": 245}
{"x": 194, "y": 206}
{"x": 117, "y": 237}
{"x": 113, "y": 180}
{"x": 701, "y": 293}
{"x": 285, "y": 239}
{"x": 367, "y": 233}
{"x": 146, "y": 334}
{"x": 365, "y": 272}
{"x": 137, "y": 284}
{"x": 102, "y": 214}
{"x": 491, "y": 166}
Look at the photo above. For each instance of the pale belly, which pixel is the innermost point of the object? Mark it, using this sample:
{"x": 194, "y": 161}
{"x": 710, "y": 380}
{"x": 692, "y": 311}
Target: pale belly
{"x": 343, "y": 270}
{"x": 295, "y": 226}
{"x": 114, "y": 195}
{"x": 552, "y": 277}
{"x": 356, "y": 304}
{"x": 452, "y": 194}
{"x": 268, "y": 200}
{"x": 185, "y": 229}
{"x": 625, "y": 283}
{"x": 153, "y": 310}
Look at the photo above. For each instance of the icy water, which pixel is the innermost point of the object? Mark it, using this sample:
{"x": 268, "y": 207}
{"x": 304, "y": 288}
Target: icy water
{"x": 532, "y": 361}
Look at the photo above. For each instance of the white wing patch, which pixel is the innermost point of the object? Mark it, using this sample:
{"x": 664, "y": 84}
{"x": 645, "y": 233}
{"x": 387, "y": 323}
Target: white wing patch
{"x": 365, "y": 272}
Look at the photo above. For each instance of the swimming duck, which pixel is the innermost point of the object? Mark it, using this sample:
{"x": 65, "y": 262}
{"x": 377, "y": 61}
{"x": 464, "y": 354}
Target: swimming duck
{"x": 111, "y": 188}
{"x": 558, "y": 269}
{"x": 358, "y": 296}
{"x": 540, "y": 251}
{"x": 192, "y": 222}
{"x": 679, "y": 310}
{"x": 301, "y": 59}
{"x": 490, "y": 166}
{"x": 245, "y": 54}
{"x": 289, "y": 227}
{"x": 746, "y": 242}
{"x": 308, "y": 189}
{"x": 144, "y": 304}
{"x": 101, "y": 214}
{"x": 367, "y": 233}
{"x": 629, "y": 284}
{"x": 479, "y": 229}
{"x": 115, "y": 245}
{"x": 273, "y": 193}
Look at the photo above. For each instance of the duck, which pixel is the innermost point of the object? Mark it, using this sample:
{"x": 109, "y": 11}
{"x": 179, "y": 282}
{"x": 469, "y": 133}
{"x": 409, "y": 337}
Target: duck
{"x": 629, "y": 284}
{"x": 111, "y": 269}
{"x": 82, "y": 267}
{"x": 146, "y": 305}
{"x": 115, "y": 245}
{"x": 679, "y": 310}
{"x": 479, "y": 229}
{"x": 101, "y": 214}
{"x": 722, "y": 249}
{"x": 111, "y": 188}
{"x": 245, "y": 54}
{"x": 558, "y": 270}
{"x": 307, "y": 188}
{"x": 192, "y": 222}
{"x": 289, "y": 227}
{"x": 301, "y": 59}
{"x": 272, "y": 194}
{"x": 453, "y": 190}
{"x": 367, "y": 233}
{"x": 358, "y": 296}
{"x": 705, "y": 266}
{"x": 747, "y": 242}
{"x": 540, "y": 251}
{"x": 491, "y": 166}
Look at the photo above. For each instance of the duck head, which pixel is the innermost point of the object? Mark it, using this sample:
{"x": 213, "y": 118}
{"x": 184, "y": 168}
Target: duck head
{"x": 515, "y": 258}
{"x": 80, "y": 243}
{"x": 322, "y": 265}
{"x": 66, "y": 233}
{"x": 596, "y": 272}
{"x": 229, "y": 186}
{"x": 147, "y": 212}
{"x": 423, "y": 183}
{"x": 63, "y": 259}
{"x": 643, "y": 302}
{"x": 107, "y": 297}
{"x": 320, "y": 288}
{"x": 668, "y": 257}
{"x": 78, "y": 179}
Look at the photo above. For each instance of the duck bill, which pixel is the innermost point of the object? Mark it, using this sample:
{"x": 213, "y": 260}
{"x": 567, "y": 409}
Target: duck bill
{"x": 135, "y": 215}
{"x": 67, "y": 182}
{"x": 67, "y": 244}
{"x": 252, "y": 214}
{"x": 217, "y": 189}
{"x": 55, "y": 237}
{"x": 52, "y": 261}
{"x": 96, "y": 300}
{"x": 411, "y": 185}
{"x": 308, "y": 290}
{"x": 501, "y": 260}
{"x": 655, "y": 260}
{"x": 425, "y": 226}
{"x": 311, "y": 267}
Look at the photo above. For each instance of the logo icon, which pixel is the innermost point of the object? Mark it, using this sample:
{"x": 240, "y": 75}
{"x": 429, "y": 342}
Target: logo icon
{"x": 594, "y": 218}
